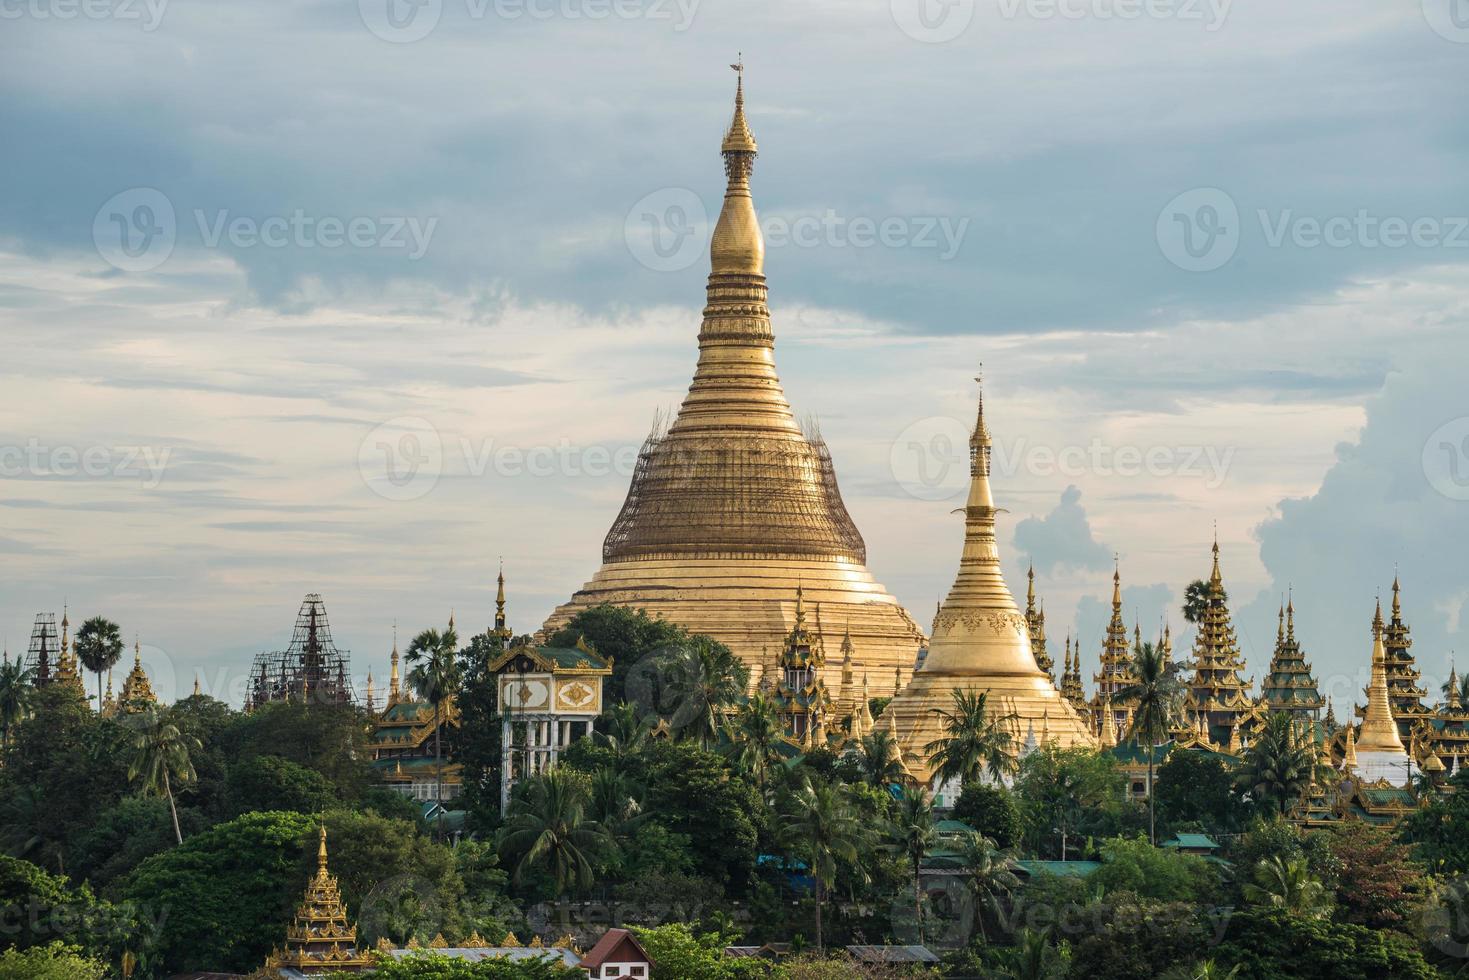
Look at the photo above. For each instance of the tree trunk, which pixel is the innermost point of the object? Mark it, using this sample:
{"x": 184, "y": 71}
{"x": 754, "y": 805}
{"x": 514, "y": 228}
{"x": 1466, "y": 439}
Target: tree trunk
{"x": 1063, "y": 842}
{"x": 1152, "y": 825}
{"x": 918, "y": 899}
{"x": 168, "y": 791}
{"x": 99, "y": 692}
{"x": 820, "y": 946}
{"x": 438, "y": 773}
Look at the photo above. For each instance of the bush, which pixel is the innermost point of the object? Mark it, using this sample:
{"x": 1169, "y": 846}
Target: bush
{"x": 50, "y": 962}
{"x": 991, "y": 811}
{"x": 1268, "y": 944}
{"x": 1157, "y": 873}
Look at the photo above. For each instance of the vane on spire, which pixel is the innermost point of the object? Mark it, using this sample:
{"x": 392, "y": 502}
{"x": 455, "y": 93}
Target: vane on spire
{"x": 739, "y": 65}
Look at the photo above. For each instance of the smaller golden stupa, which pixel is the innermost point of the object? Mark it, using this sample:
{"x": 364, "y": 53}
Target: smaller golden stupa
{"x": 320, "y": 940}
{"x": 1379, "y": 748}
{"x": 137, "y": 690}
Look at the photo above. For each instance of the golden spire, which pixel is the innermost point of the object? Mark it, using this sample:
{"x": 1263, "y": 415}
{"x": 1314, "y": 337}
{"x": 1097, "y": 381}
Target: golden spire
{"x": 394, "y": 684}
{"x": 1397, "y": 605}
{"x": 196, "y": 685}
{"x": 1030, "y": 589}
{"x": 1280, "y": 627}
{"x": 321, "y": 852}
{"x": 1235, "y": 748}
{"x": 1349, "y": 757}
{"x": 1109, "y": 724}
{"x": 137, "y": 690}
{"x": 371, "y": 699}
{"x": 1215, "y": 576}
{"x": 737, "y": 246}
{"x": 1379, "y": 731}
{"x": 1290, "y": 614}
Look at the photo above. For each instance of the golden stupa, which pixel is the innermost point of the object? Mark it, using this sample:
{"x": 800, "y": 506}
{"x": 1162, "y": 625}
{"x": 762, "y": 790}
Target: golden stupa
{"x": 733, "y": 506}
{"x": 1379, "y": 749}
{"x": 981, "y": 643}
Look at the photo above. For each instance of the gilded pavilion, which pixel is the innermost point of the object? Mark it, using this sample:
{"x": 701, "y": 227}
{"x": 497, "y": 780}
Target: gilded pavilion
{"x": 980, "y": 642}
{"x": 732, "y": 505}
{"x": 1216, "y": 693}
{"x": 402, "y": 742}
{"x": 68, "y": 671}
{"x": 321, "y": 940}
{"x": 799, "y": 694}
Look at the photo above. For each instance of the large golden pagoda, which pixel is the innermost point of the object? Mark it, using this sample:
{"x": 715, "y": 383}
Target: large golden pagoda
{"x": 1379, "y": 749}
{"x": 321, "y": 939}
{"x": 980, "y": 642}
{"x": 733, "y": 506}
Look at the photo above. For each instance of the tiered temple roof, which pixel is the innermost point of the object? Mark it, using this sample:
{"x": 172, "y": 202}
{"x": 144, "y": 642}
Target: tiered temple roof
{"x": 1450, "y": 726}
{"x": 1216, "y": 690}
{"x": 1071, "y": 686}
{"x": 1289, "y": 686}
{"x": 321, "y": 939}
{"x": 1403, "y": 690}
{"x": 1035, "y": 621}
{"x": 137, "y": 691}
{"x": 1116, "y": 664}
{"x": 68, "y": 671}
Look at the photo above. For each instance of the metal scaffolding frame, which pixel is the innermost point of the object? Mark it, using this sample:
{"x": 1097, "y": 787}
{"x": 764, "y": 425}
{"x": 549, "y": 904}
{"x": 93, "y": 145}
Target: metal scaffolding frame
{"x": 310, "y": 671}
{"x": 45, "y": 648}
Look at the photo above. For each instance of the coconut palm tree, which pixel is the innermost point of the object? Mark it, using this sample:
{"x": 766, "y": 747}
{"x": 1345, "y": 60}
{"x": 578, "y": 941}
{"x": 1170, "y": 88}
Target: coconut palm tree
{"x": 1288, "y": 885}
{"x": 548, "y": 825}
{"x": 99, "y": 648}
{"x": 1279, "y": 764}
{"x": 972, "y": 742}
{"x": 1203, "y": 970}
{"x": 702, "y": 679}
{"x": 819, "y": 823}
{"x": 911, "y": 834}
{"x": 625, "y": 730}
{"x": 1154, "y": 695}
{"x": 991, "y": 873}
{"x": 755, "y": 731}
{"x": 435, "y": 678}
{"x": 17, "y": 685}
{"x": 877, "y": 758}
{"x": 159, "y": 758}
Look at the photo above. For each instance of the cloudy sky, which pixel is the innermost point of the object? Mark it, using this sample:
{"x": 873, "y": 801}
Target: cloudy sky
{"x": 358, "y": 297}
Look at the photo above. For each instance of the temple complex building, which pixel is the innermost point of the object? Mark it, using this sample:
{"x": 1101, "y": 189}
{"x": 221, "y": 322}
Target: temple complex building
{"x": 733, "y": 504}
{"x": 1216, "y": 692}
{"x": 310, "y": 670}
{"x": 1403, "y": 690}
{"x": 799, "y": 693}
{"x": 1289, "y": 686}
{"x": 980, "y": 642}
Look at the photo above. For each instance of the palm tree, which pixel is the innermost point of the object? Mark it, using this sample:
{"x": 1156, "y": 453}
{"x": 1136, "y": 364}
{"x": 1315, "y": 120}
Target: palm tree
{"x": 625, "y": 731}
{"x": 702, "y": 679}
{"x": 435, "y": 678}
{"x": 755, "y": 732}
{"x": 911, "y": 835}
{"x": 1196, "y": 600}
{"x": 1279, "y": 764}
{"x": 159, "y": 755}
{"x": 1203, "y": 970}
{"x": 819, "y": 822}
{"x": 1033, "y": 957}
{"x": 99, "y": 647}
{"x": 1154, "y": 695}
{"x": 972, "y": 741}
{"x": 991, "y": 873}
{"x": 547, "y": 824}
{"x": 1288, "y": 885}
{"x": 877, "y": 757}
{"x": 17, "y": 684}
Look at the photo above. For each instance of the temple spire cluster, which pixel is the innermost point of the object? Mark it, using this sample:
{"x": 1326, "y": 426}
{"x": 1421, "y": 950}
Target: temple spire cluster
{"x": 1289, "y": 685}
{"x": 1216, "y": 691}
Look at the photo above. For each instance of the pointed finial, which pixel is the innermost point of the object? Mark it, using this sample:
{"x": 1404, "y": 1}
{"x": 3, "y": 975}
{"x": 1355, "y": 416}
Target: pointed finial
{"x": 196, "y": 685}
{"x": 1377, "y": 618}
{"x": 321, "y": 850}
{"x": 1397, "y": 606}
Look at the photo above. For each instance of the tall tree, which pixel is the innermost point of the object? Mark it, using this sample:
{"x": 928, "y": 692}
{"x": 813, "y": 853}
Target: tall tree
{"x": 819, "y": 823}
{"x": 1279, "y": 764}
{"x": 99, "y": 647}
{"x": 701, "y": 679}
{"x": 1288, "y": 885}
{"x": 1154, "y": 695}
{"x": 435, "y": 677}
{"x": 548, "y": 825}
{"x": 877, "y": 758}
{"x": 911, "y": 834}
{"x": 973, "y": 742}
{"x": 159, "y": 756}
{"x": 1058, "y": 787}
{"x": 755, "y": 731}
{"x": 991, "y": 874}
{"x": 1196, "y": 600}
{"x": 17, "y": 683}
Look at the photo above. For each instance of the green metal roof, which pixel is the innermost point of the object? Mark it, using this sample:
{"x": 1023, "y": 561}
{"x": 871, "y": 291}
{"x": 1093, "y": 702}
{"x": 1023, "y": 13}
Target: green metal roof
{"x": 1192, "y": 842}
{"x": 1063, "y": 869}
